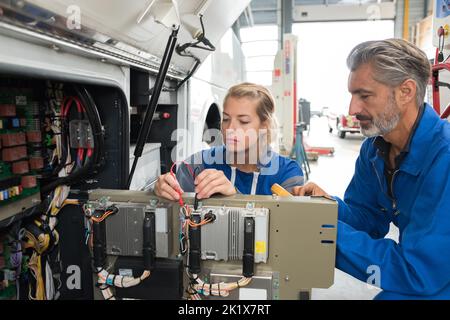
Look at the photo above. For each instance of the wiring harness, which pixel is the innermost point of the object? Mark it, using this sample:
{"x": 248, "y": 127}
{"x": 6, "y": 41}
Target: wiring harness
{"x": 190, "y": 242}
{"x": 87, "y": 162}
{"x": 105, "y": 279}
{"x": 42, "y": 237}
{"x": 69, "y": 166}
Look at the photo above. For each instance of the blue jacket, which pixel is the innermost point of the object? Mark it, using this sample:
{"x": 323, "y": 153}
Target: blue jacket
{"x": 418, "y": 267}
{"x": 274, "y": 169}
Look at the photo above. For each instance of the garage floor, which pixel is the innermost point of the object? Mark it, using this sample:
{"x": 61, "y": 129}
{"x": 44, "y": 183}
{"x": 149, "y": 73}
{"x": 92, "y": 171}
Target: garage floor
{"x": 333, "y": 174}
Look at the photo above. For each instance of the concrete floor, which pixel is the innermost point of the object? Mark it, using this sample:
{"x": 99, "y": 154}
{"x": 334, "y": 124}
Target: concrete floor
{"x": 333, "y": 174}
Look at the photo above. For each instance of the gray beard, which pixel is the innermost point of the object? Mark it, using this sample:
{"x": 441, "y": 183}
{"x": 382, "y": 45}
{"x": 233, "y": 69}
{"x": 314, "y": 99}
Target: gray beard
{"x": 385, "y": 122}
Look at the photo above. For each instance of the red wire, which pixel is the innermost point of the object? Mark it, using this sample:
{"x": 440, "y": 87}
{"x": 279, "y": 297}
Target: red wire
{"x": 180, "y": 201}
{"x": 81, "y": 108}
{"x": 187, "y": 165}
{"x": 67, "y": 103}
{"x": 65, "y": 107}
{"x": 63, "y": 103}
{"x": 81, "y": 154}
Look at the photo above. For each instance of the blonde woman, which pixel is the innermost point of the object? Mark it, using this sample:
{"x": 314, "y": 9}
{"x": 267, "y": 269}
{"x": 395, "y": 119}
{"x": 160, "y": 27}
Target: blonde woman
{"x": 245, "y": 162}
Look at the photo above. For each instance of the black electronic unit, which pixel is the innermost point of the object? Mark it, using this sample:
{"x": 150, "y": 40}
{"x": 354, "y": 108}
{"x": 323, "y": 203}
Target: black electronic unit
{"x": 139, "y": 88}
{"x": 164, "y": 283}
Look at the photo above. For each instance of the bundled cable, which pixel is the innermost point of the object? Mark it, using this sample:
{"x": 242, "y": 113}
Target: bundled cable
{"x": 39, "y": 241}
{"x": 106, "y": 280}
{"x": 94, "y": 157}
{"x": 188, "y": 220}
{"x": 105, "y": 215}
{"x": 221, "y": 289}
{"x": 121, "y": 281}
{"x": 41, "y": 236}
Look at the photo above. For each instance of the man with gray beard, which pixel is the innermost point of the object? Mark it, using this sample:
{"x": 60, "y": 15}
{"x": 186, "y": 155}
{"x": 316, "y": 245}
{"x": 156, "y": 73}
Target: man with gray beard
{"x": 401, "y": 176}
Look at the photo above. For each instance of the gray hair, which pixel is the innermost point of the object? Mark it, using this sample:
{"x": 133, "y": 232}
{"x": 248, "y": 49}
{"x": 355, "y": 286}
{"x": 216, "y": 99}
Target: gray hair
{"x": 394, "y": 61}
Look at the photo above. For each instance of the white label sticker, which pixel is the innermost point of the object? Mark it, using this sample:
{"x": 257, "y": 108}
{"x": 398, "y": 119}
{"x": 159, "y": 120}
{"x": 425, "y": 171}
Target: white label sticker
{"x": 126, "y": 272}
{"x": 252, "y": 294}
{"x": 21, "y": 100}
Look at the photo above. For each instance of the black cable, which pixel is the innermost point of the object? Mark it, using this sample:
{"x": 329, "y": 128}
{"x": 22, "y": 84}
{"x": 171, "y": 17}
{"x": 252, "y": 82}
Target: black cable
{"x": 181, "y": 50}
{"x": 446, "y": 58}
{"x": 195, "y": 197}
{"x": 97, "y": 131}
{"x": 443, "y": 84}
{"x": 200, "y": 39}
{"x": 189, "y": 75}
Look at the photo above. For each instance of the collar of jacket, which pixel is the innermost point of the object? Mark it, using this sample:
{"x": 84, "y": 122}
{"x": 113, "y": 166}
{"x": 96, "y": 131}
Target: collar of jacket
{"x": 420, "y": 143}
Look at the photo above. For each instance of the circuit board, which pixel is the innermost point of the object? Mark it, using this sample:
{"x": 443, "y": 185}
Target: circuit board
{"x": 21, "y": 141}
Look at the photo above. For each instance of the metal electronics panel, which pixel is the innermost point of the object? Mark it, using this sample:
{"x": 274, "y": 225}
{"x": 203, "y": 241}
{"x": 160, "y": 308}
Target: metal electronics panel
{"x": 302, "y": 236}
{"x": 222, "y": 239}
{"x": 124, "y": 230}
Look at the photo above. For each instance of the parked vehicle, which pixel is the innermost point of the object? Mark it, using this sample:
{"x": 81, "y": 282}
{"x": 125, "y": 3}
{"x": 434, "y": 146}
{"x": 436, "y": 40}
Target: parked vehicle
{"x": 343, "y": 123}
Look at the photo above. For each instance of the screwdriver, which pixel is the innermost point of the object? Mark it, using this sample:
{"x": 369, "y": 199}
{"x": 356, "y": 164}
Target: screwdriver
{"x": 280, "y": 191}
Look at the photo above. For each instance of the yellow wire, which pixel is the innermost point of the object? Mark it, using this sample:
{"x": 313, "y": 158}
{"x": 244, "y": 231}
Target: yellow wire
{"x": 39, "y": 245}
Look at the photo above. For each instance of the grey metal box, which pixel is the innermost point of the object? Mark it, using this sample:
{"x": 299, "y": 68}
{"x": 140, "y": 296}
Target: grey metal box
{"x": 124, "y": 231}
{"x": 223, "y": 238}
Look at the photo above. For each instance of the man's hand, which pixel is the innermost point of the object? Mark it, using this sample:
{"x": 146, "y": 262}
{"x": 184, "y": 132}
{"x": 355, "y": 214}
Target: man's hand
{"x": 167, "y": 187}
{"x": 211, "y": 181}
{"x": 309, "y": 189}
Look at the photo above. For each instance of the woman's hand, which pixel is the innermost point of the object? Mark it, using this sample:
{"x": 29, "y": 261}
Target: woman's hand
{"x": 211, "y": 181}
{"x": 167, "y": 187}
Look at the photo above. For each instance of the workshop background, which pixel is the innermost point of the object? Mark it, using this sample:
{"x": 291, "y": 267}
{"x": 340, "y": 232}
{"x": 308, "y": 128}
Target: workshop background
{"x": 324, "y": 37}
{"x": 99, "y": 98}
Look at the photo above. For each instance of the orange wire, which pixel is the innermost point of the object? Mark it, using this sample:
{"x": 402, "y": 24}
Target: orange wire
{"x": 106, "y": 215}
